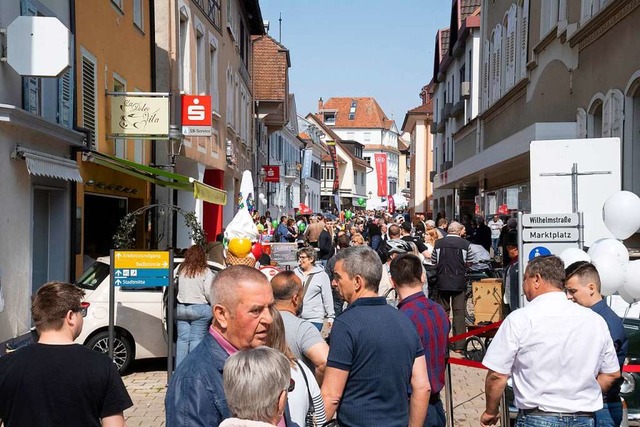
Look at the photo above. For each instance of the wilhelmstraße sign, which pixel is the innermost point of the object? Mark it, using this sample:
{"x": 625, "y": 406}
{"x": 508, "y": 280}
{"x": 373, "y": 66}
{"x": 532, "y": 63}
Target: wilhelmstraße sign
{"x": 141, "y": 268}
{"x": 550, "y": 220}
{"x": 550, "y": 235}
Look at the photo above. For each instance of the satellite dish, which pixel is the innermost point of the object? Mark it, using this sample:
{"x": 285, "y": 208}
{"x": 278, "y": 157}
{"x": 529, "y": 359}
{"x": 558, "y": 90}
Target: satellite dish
{"x": 38, "y": 46}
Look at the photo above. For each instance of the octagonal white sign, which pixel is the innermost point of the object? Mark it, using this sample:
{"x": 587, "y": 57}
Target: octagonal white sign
{"x": 38, "y": 46}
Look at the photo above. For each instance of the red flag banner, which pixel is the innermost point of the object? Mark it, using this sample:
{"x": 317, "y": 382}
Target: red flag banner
{"x": 381, "y": 173}
{"x": 331, "y": 145}
{"x": 391, "y": 204}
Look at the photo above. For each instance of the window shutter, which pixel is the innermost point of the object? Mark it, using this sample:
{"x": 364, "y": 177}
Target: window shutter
{"x": 585, "y": 12}
{"x": 30, "y": 85}
{"x": 486, "y": 52}
{"x": 581, "y": 120}
{"x": 510, "y": 54}
{"x": 522, "y": 38}
{"x": 496, "y": 84}
{"x": 617, "y": 113}
{"x": 65, "y": 98}
{"x": 606, "y": 117}
{"x": 89, "y": 99}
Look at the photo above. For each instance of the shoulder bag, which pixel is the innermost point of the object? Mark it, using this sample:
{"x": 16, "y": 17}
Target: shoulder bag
{"x": 310, "y": 418}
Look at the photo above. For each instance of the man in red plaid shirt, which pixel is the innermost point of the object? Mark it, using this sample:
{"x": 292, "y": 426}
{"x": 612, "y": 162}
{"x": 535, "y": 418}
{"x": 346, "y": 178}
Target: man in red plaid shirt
{"x": 432, "y": 324}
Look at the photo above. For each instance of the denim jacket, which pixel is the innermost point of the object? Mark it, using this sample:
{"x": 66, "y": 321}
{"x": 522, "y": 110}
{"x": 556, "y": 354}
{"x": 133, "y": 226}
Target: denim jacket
{"x": 195, "y": 396}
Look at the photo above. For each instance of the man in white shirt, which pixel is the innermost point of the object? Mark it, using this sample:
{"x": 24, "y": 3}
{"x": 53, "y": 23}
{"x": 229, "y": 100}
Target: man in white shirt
{"x": 495, "y": 225}
{"x": 559, "y": 355}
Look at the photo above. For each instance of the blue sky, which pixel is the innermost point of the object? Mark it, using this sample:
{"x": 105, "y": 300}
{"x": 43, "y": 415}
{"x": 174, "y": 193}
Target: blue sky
{"x": 345, "y": 48}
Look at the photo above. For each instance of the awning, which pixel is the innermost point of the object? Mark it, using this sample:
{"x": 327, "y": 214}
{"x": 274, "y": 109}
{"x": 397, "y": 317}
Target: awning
{"x": 160, "y": 177}
{"x": 43, "y": 164}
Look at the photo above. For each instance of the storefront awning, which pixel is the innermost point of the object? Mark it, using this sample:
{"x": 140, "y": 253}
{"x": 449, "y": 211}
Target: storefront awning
{"x": 43, "y": 164}
{"x": 162, "y": 178}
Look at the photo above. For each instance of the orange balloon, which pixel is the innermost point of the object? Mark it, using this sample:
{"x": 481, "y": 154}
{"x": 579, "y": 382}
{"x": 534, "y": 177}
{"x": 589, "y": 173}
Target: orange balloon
{"x": 240, "y": 246}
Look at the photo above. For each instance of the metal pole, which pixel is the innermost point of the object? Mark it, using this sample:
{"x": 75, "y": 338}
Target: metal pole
{"x": 520, "y": 259}
{"x": 574, "y": 188}
{"x": 112, "y": 297}
{"x": 448, "y": 395}
{"x": 170, "y": 316}
{"x": 581, "y": 230}
{"x": 504, "y": 414}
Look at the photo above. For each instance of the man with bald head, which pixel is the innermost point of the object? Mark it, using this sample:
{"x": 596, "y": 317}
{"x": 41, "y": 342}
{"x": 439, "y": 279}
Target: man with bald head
{"x": 451, "y": 257}
{"x": 241, "y": 298}
{"x": 303, "y": 338}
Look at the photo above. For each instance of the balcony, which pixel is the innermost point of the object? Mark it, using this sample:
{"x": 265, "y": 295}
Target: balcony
{"x": 458, "y": 109}
{"x": 441, "y": 125}
{"x": 291, "y": 171}
{"x": 447, "y": 110}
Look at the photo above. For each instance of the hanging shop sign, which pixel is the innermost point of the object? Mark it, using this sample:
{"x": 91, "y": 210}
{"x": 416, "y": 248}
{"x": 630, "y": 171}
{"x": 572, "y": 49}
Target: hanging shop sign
{"x": 139, "y": 116}
{"x": 196, "y": 115}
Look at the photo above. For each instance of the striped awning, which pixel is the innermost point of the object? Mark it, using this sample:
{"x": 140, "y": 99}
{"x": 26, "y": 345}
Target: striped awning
{"x": 43, "y": 164}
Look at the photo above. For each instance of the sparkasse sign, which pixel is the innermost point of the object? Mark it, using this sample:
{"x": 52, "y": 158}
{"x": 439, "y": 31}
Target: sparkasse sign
{"x": 196, "y": 115}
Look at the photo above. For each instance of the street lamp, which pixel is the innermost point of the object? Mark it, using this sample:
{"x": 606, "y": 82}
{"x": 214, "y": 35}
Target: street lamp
{"x": 176, "y": 140}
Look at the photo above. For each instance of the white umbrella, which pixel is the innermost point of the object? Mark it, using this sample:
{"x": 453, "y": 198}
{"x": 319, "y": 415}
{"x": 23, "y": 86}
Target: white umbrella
{"x": 400, "y": 201}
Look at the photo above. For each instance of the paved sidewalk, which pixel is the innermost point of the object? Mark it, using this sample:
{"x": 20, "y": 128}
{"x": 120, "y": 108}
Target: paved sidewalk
{"x": 147, "y": 386}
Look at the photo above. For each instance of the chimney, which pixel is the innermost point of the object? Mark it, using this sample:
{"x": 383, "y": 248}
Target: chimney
{"x": 320, "y": 104}
{"x": 265, "y": 24}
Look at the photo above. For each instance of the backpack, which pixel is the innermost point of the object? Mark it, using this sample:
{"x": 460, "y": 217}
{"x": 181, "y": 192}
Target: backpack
{"x": 276, "y": 235}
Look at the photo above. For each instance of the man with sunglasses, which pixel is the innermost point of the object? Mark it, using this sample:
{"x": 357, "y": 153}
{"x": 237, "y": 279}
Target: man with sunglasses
{"x": 57, "y": 382}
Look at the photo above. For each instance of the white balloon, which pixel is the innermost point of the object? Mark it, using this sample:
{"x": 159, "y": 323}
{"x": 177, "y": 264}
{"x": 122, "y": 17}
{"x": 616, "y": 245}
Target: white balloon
{"x": 631, "y": 283}
{"x": 263, "y": 201}
{"x": 620, "y": 214}
{"x": 610, "y": 248}
{"x": 625, "y": 296}
{"x": 611, "y": 274}
{"x": 261, "y": 196}
{"x": 571, "y": 255}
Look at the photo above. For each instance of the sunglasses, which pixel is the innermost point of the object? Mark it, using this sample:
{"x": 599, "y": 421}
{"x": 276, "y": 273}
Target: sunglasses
{"x": 292, "y": 385}
{"x": 82, "y": 309}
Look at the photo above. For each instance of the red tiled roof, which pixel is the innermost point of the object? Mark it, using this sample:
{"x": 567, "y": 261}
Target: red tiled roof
{"x": 304, "y": 135}
{"x": 444, "y": 43}
{"x": 270, "y": 69}
{"x": 468, "y": 8}
{"x": 368, "y": 114}
{"x": 422, "y": 109}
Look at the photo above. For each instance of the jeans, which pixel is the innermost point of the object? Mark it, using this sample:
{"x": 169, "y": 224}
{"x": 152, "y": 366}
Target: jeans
{"x": 610, "y": 415}
{"x": 435, "y": 416}
{"x": 554, "y": 421}
{"x": 318, "y": 325}
{"x": 454, "y": 301}
{"x": 494, "y": 244}
{"x": 193, "y": 321}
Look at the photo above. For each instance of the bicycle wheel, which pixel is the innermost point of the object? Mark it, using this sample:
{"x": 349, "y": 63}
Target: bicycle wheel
{"x": 474, "y": 349}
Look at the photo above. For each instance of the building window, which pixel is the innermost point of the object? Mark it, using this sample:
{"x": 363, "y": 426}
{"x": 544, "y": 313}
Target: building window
{"x": 590, "y": 8}
{"x": 201, "y": 70}
{"x": 367, "y": 137}
{"x": 549, "y": 15}
{"x": 352, "y": 110}
{"x": 368, "y": 160}
{"x": 184, "y": 57}
{"x": 330, "y": 118}
{"x": 211, "y": 9}
{"x": 213, "y": 75}
{"x": 138, "y": 16}
{"x": 119, "y": 4}
{"x": 89, "y": 103}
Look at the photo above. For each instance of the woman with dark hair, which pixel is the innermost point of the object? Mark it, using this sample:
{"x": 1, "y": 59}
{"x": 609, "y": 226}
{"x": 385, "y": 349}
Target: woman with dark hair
{"x": 375, "y": 236}
{"x": 193, "y": 313}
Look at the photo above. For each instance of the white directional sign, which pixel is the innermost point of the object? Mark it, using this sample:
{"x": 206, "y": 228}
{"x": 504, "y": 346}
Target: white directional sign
{"x": 550, "y": 220}
{"x": 550, "y": 235}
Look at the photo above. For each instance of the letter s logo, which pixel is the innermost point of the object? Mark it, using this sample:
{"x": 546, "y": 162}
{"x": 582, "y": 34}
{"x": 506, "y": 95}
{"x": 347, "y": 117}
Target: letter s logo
{"x": 195, "y": 112}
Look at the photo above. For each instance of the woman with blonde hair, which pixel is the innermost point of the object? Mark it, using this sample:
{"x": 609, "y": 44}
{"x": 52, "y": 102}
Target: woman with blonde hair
{"x": 193, "y": 312}
{"x": 357, "y": 240}
{"x": 306, "y": 406}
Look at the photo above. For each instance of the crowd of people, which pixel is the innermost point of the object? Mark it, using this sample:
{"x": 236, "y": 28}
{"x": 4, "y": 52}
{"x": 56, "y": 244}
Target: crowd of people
{"x": 357, "y": 334}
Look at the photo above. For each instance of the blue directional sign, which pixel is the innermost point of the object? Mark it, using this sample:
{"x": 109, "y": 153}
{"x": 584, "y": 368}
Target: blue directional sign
{"x": 538, "y": 251}
{"x": 141, "y": 268}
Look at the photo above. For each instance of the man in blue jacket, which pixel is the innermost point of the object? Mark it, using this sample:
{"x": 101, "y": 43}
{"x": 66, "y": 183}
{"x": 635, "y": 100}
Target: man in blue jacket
{"x": 240, "y": 298}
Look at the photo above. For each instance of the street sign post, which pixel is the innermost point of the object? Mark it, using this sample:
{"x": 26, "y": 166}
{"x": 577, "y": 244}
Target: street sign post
{"x": 142, "y": 269}
{"x": 545, "y": 234}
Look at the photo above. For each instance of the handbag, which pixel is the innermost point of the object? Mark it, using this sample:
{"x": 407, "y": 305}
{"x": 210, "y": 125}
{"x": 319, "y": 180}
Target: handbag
{"x": 310, "y": 418}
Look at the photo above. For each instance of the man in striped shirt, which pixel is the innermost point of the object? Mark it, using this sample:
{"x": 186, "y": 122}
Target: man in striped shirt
{"x": 432, "y": 324}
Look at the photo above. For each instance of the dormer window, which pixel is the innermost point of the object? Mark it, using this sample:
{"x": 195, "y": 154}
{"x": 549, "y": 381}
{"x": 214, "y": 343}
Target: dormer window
{"x": 352, "y": 111}
{"x": 330, "y": 117}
